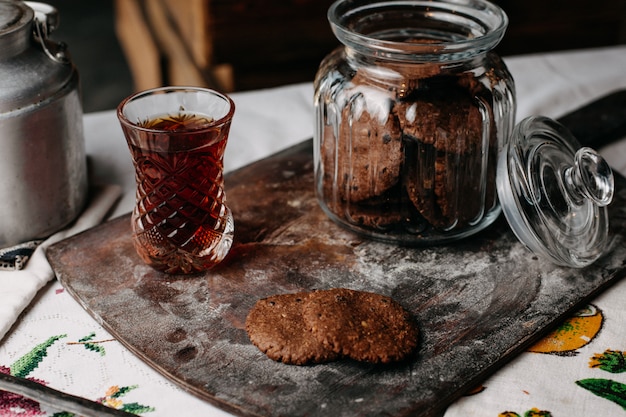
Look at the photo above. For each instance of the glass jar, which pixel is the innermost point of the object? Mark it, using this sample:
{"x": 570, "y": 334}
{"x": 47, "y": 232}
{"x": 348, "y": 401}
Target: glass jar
{"x": 411, "y": 112}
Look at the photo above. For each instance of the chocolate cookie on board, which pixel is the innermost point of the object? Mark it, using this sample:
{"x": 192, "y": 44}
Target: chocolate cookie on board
{"x": 275, "y": 325}
{"x": 361, "y": 325}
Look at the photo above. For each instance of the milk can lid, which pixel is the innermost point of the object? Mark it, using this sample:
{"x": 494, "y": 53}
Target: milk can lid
{"x": 34, "y": 68}
{"x": 554, "y": 193}
{"x": 14, "y": 15}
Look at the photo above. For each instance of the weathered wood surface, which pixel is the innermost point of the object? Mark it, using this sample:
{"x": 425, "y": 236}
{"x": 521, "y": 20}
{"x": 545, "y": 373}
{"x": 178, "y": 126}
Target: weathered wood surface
{"x": 478, "y": 302}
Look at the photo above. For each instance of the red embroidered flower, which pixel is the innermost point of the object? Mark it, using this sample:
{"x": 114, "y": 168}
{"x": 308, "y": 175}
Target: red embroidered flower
{"x": 14, "y": 405}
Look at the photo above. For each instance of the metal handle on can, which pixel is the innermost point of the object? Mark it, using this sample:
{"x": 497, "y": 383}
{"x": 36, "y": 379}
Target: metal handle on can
{"x": 46, "y": 21}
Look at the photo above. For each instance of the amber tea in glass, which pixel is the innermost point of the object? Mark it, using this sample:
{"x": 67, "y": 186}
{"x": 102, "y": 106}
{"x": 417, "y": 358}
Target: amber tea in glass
{"x": 177, "y": 137}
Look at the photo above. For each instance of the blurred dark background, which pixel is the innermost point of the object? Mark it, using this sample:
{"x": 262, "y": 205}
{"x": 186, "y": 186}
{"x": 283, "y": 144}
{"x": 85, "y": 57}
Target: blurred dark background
{"x": 124, "y": 45}
{"x": 88, "y": 27}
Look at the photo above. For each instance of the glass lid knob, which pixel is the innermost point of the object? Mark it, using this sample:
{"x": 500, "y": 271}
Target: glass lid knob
{"x": 590, "y": 178}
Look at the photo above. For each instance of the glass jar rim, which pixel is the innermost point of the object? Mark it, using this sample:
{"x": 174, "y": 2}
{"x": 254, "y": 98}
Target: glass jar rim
{"x": 466, "y": 28}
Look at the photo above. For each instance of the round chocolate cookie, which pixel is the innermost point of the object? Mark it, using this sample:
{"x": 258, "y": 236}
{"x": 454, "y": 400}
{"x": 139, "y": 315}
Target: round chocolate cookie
{"x": 361, "y": 325}
{"x": 275, "y": 325}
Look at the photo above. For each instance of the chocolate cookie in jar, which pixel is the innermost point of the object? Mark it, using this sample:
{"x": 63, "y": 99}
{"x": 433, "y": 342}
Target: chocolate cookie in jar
{"x": 411, "y": 112}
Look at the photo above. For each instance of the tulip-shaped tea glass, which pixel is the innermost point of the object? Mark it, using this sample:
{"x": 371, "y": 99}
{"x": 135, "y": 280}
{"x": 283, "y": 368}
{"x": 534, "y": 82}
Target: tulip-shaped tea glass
{"x": 177, "y": 137}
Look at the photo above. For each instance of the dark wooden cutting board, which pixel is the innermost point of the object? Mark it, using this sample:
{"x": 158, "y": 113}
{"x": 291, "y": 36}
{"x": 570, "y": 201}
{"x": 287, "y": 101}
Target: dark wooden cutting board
{"x": 478, "y": 302}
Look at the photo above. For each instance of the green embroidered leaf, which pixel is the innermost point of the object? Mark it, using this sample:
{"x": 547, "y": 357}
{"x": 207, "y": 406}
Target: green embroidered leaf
{"x": 92, "y": 345}
{"x": 27, "y": 363}
{"x": 537, "y": 413}
{"x": 137, "y": 408}
{"x": 63, "y": 414}
{"x": 612, "y": 361}
{"x": 88, "y": 337}
{"x": 121, "y": 391}
{"x": 95, "y": 348}
{"x": 607, "y": 389}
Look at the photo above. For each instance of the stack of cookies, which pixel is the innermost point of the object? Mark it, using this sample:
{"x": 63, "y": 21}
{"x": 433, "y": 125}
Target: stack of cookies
{"x": 420, "y": 155}
{"x": 326, "y": 325}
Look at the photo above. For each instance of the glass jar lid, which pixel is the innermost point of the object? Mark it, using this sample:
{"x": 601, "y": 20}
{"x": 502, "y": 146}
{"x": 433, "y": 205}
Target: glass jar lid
{"x": 554, "y": 193}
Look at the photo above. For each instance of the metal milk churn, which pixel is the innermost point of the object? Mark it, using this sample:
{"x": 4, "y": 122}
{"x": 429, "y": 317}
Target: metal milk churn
{"x": 43, "y": 168}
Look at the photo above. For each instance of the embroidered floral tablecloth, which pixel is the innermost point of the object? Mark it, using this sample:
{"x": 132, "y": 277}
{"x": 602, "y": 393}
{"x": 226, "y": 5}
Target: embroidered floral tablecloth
{"x": 70, "y": 352}
{"x": 578, "y": 371}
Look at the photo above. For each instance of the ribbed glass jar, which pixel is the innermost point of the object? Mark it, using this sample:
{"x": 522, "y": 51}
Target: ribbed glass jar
{"x": 411, "y": 112}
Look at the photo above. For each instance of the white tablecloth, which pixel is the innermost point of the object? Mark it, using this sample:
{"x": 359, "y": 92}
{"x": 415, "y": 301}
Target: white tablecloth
{"x": 55, "y": 341}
